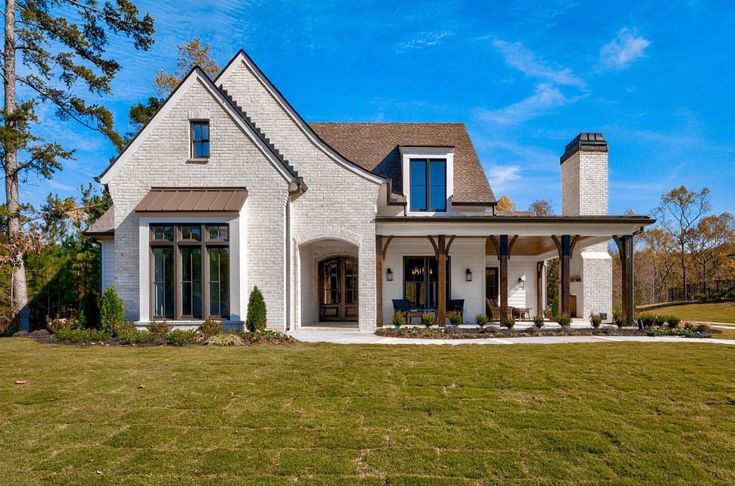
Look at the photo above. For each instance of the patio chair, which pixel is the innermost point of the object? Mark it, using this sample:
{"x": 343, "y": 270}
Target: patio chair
{"x": 493, "y": 310}
{"x": 404, "y": 307}
{"x": 456, "y": 305}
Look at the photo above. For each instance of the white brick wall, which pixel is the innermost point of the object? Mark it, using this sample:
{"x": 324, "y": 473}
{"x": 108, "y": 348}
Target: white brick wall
{"x": 338, "y": 202}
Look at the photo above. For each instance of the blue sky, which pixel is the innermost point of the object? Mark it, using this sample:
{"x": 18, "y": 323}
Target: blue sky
{"x": 655, "y": 77}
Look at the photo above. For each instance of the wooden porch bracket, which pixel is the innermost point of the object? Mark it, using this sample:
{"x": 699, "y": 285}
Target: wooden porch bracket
{"x": 441, "y": 251}
{"x": 565, "y": 247}
{"x": 503, "y": 247}
{"x": 539, "y": 288}
{"x": 625, "y": 248}
{"x": 381, "y": 248}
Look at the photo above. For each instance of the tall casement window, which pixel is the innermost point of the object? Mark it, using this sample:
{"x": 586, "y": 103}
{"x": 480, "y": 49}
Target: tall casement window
{"x": 420, "y": 282}
{"x": 200, "y": 139}
{"x": 428, "y": 184}
{"x": 190, "y": 277}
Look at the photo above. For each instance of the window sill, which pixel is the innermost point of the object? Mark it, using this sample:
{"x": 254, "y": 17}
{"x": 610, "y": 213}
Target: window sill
{"x": 198, "y": 160}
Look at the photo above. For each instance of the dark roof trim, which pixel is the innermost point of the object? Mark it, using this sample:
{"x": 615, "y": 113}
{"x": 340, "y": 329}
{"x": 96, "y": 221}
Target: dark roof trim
{"x": 586, "y": 141}
{"x": 643, "y": 220}
{"x": 270, "y": 86}
{"x": 485, "y": 204}
{"x": 423, "y": 145}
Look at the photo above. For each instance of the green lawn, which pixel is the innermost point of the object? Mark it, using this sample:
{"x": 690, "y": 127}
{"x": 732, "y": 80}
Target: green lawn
{"x": 626, "y": 413}
{"x": 721, "y": 312}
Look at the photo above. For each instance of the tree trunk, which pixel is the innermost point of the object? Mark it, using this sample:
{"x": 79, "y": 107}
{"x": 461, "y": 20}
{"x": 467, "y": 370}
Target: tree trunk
{"x": 704, "y": 279}
{"x": 684, "y": 271}
{"x": 18, "y": 276}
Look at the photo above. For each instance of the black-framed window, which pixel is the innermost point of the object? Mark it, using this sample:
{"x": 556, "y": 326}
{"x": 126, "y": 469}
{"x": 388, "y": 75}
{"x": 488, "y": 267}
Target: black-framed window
{"x": 190, "y": 274}
{"x": 200, "y": 139}
{"x": 428, "y": 179}
{"x": 420, "y": 281}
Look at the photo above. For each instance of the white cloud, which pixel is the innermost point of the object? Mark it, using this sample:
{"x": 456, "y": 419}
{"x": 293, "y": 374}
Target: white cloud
{"x": 626, "y": 48}
{"x": 425, "y": 39}
{"x": 529, "y": 64}
{"x": 500, "y": 175}
{"x": 546, "y": 97}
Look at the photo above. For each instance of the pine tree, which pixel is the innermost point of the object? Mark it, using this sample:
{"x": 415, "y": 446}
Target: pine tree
{"x": 256, "y": 318}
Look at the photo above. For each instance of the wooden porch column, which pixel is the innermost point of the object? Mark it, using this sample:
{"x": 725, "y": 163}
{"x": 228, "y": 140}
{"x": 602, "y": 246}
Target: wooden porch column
{"x": 503, "y": 247}
{"x": 539, "y": 288}
{"x": 625, "y": 248}
{"x": 381, "y": 248}
{"x": 441, "y": 250}
{"x": 565, "y": 247}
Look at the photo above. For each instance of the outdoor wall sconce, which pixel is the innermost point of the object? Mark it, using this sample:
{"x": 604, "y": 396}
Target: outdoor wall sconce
{"x": 389, "y": 275}
{"x": 468, "y": 275}
{"x": 522, "y": 281}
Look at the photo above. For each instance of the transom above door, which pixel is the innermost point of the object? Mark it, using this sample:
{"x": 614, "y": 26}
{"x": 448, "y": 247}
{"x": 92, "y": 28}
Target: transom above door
{"x": 338, "y": 285}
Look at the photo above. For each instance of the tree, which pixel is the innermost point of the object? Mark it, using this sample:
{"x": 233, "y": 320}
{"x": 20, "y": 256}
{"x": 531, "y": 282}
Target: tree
{"x": 191, "y": 53}
{"x": 505, "y": 204}
{"x": 659, "y": 252}
{"x": 62, "y": 47}
{"x": 256, "y": 317}
{"x": 541, "y": 207}
{"x": 709, "y": 242}
{"x": 678, "y": 213}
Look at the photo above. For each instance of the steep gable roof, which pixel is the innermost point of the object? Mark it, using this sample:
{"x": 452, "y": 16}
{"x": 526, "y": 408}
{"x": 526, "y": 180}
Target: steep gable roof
{"x": 375, "y": 147}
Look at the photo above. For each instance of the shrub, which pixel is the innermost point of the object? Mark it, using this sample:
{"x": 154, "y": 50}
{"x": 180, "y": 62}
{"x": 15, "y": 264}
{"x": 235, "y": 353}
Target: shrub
{"x": 228, "y": 339}
{"x": 646, "y": 320}
{"x": 538, "y": 321}
{"x": 481, "y": 320}
{"x": 555, "y": 307}
{"x": 90, "y": 309}
{"x": 673, "y": 321}
{"x": 596, "y": 320}
{"x": 137, "y": 336}
{"x": 179, "y": 337}
{"x": 256, "y": 318}
{"x": 81, "y": 335}
{"x": 160, "y": 329}
{"x": 508, "y": 322}
{"x": 56, "y": 325}
{"x": 455, "y": 318}
{"x": 618, "y": 319}
{"x": 654, "y": 331}
{"x": 267, "y": 336}
{"x": 564, "y": 320}
{"x": 211, "y": 327}
{"x": 124, "y": 327}
{"x": 397, "y": 319}
{"x": 428, "y": 319}
{"x": 697, "y": 326}
{"x": 112, "y": 312}
{"x": 659, "y": 320}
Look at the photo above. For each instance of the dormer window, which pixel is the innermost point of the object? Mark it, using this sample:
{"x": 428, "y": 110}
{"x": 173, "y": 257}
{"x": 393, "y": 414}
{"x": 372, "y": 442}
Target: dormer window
{"x": 200, "y": 139}
{"x": 428, "y": 184}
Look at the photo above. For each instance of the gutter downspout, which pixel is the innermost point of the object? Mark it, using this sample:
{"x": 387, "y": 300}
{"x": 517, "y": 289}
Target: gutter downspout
{"x": 288, "y": 264}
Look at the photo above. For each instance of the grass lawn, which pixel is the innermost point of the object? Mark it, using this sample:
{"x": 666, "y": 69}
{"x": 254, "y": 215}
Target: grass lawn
{"x": 720, "y": 312}
{"x": 631, "y": 413}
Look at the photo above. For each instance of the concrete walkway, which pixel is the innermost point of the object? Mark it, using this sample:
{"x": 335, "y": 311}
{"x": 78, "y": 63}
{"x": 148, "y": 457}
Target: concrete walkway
{"x": 357, "y": 337}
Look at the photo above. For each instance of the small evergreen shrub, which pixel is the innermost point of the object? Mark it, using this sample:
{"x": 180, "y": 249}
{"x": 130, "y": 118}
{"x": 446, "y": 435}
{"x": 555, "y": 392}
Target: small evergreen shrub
{"x": 137, "y": 336}
{"x": 256, "y": 318}
{"x": 160, "y": 328}
{"x": 428, "y": 319}
{"x": 455, "y": 318}
{"x": 228, "y": 339}
{"x": 618, "y": 319}
{"x": 673, "y": 321}
{"x": 397, "y": 319}
{"x": 481, "y": 320}
{"x": 508, "y": 322}
{"x": 555, "y": 307}
{"x": 81, "y": 335}
{"x": 659, "y": 320}
{"x": 179, "y": 337}
{"x": 268, "y": 336}
{"x": 124, "y": 327}
{"x": 564, "y": 320}
{"x": 112, "y": 312}
{"x": 646, "y": 320}
{"x": 595, "y": 320}
{"x": 61, "y": 324}
{"x": 211, "y": 327}
{"x": 538, "y": 321}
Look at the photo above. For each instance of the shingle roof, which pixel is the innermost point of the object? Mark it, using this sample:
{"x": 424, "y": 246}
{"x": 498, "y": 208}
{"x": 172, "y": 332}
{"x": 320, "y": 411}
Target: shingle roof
{"x": 374, "y": 146}
{"x": 105, "y": 224}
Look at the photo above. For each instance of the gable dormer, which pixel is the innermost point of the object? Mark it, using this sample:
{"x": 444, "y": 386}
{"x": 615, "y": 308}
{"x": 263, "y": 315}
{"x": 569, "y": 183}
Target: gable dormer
{"x": 427, "y": 175}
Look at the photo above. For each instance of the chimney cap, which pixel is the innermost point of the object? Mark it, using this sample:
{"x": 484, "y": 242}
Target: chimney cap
{"x": 585, "y": 141}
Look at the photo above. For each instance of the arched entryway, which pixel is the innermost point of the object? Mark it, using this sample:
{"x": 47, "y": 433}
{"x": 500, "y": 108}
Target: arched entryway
{"x": 338, "y": 289}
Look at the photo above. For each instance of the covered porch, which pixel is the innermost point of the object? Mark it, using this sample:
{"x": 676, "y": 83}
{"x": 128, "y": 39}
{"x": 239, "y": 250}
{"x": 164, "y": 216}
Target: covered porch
{"x": 470, "y": 263}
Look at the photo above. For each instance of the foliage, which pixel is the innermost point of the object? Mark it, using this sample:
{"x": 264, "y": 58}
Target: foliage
{"x": 455, "y": 318}
{"x": 122, "y": 328}
{"x": 659, "y": 320}
{"x": 697, "y": 326}
{"x": 228, "y": 339}
{"x": 505, "y": 205}
{"x": 508, "y": 322}
{"x": 658, "y": 331}
{"x": 413, "y": 332}
{"x": 428, "y": 319}
{"x": 138, "y": 336}
{"x": 111, "y": 310}
{"x": 211, "y": 327}
{"x": 673, "y": 321}
{"x": 538, "y": 321}
{"x": 541, "y": 207}
{"x": 61, "y": 324}
{"x": 564, "y": 320}
{"x": 267, "y": 336}
{"x": 256, "y": 317}
{"x": 481, "y": 320}
{"x": 81, "y": 335}
{"x": 397, "y": 320}
{"x": 555, "y": 307}
{"x": 595, "y": 320}
{"x": 179, "y": 337}
{"x": 618, "y": 319}
{"x": 159, "y": 328}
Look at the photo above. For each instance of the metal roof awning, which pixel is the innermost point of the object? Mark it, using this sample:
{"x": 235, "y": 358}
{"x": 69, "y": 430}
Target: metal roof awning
{"x": 220, "y": 200}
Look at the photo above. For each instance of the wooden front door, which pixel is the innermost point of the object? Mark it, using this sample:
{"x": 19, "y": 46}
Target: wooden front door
{"x": 338, "y": 289}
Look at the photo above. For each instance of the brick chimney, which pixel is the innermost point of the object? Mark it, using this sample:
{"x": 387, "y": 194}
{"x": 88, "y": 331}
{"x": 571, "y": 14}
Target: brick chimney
{"x": 584, "y": 176}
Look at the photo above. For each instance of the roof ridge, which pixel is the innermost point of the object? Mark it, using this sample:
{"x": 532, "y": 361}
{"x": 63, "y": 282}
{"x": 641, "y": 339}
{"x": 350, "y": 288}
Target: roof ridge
{"x": 384, "y": 123}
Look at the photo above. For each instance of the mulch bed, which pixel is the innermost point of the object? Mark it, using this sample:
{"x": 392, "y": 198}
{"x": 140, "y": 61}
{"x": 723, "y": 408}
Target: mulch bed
{"x": 44, "y": 337}
{"x": 451, "y": 332}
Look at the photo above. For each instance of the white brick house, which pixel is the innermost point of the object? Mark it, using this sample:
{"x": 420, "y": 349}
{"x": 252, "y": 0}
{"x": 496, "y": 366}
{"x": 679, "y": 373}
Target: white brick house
{"x": 228, "y": 188}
